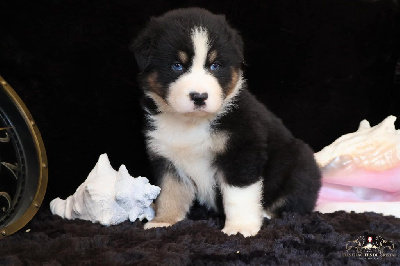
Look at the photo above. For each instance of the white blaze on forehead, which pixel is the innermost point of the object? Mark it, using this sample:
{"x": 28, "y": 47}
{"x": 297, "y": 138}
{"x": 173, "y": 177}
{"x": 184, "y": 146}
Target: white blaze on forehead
{"x": 201, "y": 80}
{"x": 199, "y": 37}
{"x": 196, "y": 79}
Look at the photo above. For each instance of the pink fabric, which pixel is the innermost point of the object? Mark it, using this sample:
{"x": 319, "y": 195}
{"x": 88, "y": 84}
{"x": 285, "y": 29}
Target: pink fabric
{"x": 343, "y": 188}
{"x": 388, "y": 180}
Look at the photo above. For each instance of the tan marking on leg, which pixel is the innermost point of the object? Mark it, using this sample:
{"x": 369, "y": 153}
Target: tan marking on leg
{"x": 173, "y": 203}
{"x": 270, "y": 210}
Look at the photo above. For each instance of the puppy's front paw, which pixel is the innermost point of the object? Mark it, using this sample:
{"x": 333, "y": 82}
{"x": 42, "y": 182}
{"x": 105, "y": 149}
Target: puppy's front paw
{"x": 156, "y": 224}
{"x": 246, "y": 230}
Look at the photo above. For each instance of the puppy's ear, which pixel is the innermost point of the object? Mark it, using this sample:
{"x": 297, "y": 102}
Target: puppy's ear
{"x": 237, "y": 39}
{"x": 142, "y": 45}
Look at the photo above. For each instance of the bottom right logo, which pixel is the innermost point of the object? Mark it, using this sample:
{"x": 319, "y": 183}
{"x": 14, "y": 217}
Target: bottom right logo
{"x": 370, "y": 246}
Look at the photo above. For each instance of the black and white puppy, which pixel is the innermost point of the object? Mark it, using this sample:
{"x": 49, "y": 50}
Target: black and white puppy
{"x": 207, "y": 137}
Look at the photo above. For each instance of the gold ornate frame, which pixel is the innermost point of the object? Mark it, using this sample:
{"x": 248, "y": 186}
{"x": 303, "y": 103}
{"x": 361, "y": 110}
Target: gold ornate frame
{"x": 37, "y": 200}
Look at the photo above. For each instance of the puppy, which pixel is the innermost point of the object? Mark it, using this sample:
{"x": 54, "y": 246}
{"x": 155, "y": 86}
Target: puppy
{"x": 207, "y": 136}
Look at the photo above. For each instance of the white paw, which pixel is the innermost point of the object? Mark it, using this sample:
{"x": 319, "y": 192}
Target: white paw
{"x": 155, "y": 225}
{"x": 245, "y": 230}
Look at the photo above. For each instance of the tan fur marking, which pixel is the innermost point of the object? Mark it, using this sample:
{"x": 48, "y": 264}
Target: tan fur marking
{"x": 270, "y": 211}
{"x": 234, "y": 80}
{"x": 173, "y": 203}
{"x": 219, "y": 141}
{"x": 153, "y": 84}
{"x": 183, "y": 57}
{"x": 161, "y": 104}
{"x": 212, "y": 56}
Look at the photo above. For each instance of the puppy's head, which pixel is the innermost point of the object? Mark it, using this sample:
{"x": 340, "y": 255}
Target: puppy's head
{"x": 190, "y": 61}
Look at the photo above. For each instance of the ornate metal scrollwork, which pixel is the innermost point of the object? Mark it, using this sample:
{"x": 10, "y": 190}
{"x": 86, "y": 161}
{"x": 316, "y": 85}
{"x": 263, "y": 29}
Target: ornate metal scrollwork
{"x": 8, "y": 175}
{"x": 23, "y": 163}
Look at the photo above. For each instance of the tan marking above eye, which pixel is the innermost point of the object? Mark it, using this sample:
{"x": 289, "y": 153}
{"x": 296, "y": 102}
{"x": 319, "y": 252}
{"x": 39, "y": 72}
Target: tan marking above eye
{"x": 212, "y": 56}
{"x": 183, "y": 57}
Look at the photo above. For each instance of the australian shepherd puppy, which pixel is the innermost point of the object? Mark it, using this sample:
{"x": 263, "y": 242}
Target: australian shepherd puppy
{"x": 208, "y": 138}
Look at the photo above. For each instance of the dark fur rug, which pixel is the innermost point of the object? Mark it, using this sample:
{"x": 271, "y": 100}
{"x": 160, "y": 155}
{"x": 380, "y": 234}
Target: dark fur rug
{"x": 315, "y": 239}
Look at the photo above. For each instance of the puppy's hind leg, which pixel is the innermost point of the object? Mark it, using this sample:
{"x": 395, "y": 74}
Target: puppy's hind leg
{"x": 303, "y": 181}
{"x": 173, "y": 203}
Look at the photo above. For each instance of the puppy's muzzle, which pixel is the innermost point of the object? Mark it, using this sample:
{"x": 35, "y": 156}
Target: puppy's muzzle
{"x": 199, "y": 99}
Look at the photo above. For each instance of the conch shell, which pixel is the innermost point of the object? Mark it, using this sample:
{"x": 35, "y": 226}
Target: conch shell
{"x": 108, "y": 197}
{"x": 372, "y": 148}
{"x": 361, "y": 171}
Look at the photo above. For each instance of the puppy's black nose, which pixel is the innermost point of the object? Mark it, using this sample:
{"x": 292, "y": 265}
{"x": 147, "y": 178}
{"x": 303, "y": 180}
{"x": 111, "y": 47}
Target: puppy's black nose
{"x": 198, "y": 98}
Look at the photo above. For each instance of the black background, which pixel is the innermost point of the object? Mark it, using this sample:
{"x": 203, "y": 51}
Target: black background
{"x": 320, "y": 65}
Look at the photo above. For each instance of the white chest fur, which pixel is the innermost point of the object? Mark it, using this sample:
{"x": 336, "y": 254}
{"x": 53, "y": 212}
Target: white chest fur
{"x": 191, "y": 146}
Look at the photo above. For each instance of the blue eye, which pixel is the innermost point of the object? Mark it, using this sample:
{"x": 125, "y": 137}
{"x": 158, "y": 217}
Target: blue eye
{"x": 214, "y": 66}
{"x": 177, "y": 67}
